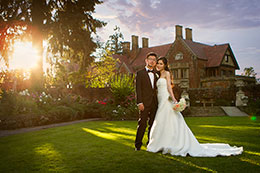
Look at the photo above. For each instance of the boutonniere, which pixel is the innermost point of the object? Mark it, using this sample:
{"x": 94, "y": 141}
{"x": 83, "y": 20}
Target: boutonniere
{"x": 157, "y": 75}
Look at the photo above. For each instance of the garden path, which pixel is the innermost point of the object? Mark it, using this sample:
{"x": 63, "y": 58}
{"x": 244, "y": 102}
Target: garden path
{"x": 233, "y": 111}
{"x": 30, "y": 129}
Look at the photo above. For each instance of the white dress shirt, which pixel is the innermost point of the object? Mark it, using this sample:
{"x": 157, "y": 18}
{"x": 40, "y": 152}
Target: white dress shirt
{"x": 151, "y": 76}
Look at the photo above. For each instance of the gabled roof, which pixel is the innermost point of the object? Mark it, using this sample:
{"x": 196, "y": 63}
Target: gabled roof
{"x": 159, "y": 50}
{"x": 197, "y": 48}
{"x": 123, "y": 60}
{"x": 214, "y": 54}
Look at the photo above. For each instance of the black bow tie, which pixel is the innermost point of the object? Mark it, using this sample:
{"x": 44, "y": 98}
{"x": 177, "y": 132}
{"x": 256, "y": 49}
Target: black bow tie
{"x": 150, "y": 70}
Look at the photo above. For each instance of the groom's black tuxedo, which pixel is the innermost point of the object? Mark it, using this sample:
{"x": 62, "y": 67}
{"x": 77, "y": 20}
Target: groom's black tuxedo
{"x": 144, "y": 91}
{"x": 146, "y": 94}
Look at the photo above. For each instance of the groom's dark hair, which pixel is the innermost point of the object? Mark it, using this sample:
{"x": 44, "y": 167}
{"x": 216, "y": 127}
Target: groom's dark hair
{"x": 151, "y": 54}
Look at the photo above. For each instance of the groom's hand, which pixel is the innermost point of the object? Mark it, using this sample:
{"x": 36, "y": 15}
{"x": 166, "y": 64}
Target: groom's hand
{"x": 141, "y": 107}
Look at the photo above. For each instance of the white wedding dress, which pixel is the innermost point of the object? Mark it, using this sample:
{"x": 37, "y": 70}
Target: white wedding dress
{"x": 170, "y": 133}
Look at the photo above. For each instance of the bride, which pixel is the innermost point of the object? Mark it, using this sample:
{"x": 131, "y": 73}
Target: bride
{"x": 170, "y": 133}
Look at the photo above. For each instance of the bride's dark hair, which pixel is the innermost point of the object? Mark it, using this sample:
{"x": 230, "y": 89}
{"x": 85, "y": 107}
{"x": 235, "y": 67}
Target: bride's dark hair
{"x": 165, "y": 62}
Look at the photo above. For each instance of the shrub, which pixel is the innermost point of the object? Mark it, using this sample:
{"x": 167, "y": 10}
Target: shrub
{"x": 121, "y": 87}
{"x": 25, "y": 104}
{"x": 80, "y": 108}
{"x": 7, "y": 103}
{"x": 253, "y": 107}
{"x": 42, "y": 99}
{"x": 63, "y": 113}
{"x": 94, "y": 110}
{"x": 118, "y": 112}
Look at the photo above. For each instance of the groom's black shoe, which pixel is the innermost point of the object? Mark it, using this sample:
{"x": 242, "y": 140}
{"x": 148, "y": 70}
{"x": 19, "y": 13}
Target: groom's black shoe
{"x": 137, "y": 149}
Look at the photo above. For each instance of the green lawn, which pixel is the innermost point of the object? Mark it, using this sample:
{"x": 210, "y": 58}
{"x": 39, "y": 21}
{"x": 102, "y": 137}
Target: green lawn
{"x": 108, "y": 146}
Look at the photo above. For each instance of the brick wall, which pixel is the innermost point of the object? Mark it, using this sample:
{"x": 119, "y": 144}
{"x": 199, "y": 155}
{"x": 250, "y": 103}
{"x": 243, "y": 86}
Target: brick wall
{"x": 187, "y": 59}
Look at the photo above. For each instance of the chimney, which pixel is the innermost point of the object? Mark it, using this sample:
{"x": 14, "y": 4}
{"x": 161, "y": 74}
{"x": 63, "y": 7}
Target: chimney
{"x": 145, "y": 42}
{"x": 178, "y": 29}
{"x": 126, "y": 47}
{"x": 135, "y": 43}
{"x": 188, "y": 32}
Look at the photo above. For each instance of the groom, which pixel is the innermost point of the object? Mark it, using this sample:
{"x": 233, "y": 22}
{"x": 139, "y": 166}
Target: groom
{"x": 146, "y": 98}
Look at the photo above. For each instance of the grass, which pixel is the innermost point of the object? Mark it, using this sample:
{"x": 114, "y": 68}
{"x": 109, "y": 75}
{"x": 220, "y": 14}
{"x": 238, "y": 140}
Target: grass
{"x": 108, "y": 146}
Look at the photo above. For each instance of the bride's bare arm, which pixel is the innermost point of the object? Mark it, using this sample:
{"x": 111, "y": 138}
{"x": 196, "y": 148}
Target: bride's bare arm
{"x": 168, "y": 78}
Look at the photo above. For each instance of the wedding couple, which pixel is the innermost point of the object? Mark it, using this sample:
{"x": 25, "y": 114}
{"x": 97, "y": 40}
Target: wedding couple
{"x": 167, "y": 131}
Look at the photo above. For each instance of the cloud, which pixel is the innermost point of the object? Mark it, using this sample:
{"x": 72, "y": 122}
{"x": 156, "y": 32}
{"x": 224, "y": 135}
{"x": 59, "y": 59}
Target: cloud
{"x": 249, "y": 51}
{"x": 104, "y": 16}
{"x": 148, "y": 15}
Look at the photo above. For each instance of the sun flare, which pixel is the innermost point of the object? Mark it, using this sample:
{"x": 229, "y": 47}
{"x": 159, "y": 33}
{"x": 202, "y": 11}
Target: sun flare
{"x": 25, "y": 56}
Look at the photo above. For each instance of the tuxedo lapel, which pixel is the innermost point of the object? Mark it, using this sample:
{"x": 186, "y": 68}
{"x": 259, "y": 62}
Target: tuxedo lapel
{"x": 155, "y": 80}
{"x": 148, "y": 78}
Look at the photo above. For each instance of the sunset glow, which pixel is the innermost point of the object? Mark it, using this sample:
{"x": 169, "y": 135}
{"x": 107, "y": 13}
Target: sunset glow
{"x": 25, "y": 56}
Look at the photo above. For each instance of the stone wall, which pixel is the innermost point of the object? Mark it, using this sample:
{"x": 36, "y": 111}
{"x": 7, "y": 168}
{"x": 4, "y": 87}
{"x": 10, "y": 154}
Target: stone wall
{"x": 220, "y": 96}
{"x": 213, "y": 82}
{"x": 198, "y": 111}
{"x": 226, "y": 81}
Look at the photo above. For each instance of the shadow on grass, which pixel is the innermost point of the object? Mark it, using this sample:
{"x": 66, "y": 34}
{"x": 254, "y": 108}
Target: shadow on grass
{"x": 126, "y": 137}
{"x": 106, "y": 147}
{"x": 232, "y": 127}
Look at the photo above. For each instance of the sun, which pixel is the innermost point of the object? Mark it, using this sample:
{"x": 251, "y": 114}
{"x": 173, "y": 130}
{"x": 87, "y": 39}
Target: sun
{"x": 25, "y": 56}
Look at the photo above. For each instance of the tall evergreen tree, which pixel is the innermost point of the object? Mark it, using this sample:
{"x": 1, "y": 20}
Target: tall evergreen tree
{"x": 114, "y": 44}
{"x": 66, "y": 24}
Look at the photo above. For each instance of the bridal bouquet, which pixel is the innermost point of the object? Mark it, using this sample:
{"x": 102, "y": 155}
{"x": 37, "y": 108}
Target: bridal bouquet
{"x": 180, "y": 106}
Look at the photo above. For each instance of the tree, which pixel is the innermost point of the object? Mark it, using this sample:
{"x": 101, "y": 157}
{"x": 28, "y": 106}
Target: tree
{"x": 258, "y": 80}
{"x": 114, "y": 44}
{"x": 101, "y": 72}
{"x": 66, "y": 24}
{"x": 249, "y": 72}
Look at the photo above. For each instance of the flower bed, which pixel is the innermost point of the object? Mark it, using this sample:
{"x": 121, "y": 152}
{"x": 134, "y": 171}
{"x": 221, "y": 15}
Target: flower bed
{"x": 27, "y": 109}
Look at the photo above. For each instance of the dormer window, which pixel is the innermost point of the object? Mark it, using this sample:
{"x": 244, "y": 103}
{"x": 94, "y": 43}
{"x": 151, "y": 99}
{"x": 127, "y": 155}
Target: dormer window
{"x": 179, "y": 56}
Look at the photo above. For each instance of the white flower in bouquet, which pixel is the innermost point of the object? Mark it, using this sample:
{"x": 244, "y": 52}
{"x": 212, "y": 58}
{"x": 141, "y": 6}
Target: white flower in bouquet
{"x": 180, "y": 106}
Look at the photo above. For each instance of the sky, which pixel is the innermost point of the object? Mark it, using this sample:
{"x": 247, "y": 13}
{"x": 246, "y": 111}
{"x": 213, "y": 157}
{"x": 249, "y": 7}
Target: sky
{"x": 236, "y": 22}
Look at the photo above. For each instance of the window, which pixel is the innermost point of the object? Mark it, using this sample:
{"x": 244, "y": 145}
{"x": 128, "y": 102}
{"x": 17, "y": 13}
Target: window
{"x": 212, "y": 73}
{"x": 223, "y": 73}
{"x": 175, "y": 74}
{"x": 226, "y": 58}
{"x": 181, "y": 73}
{"x": 179, "y": 56}
{"x": 184, "y": 73}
